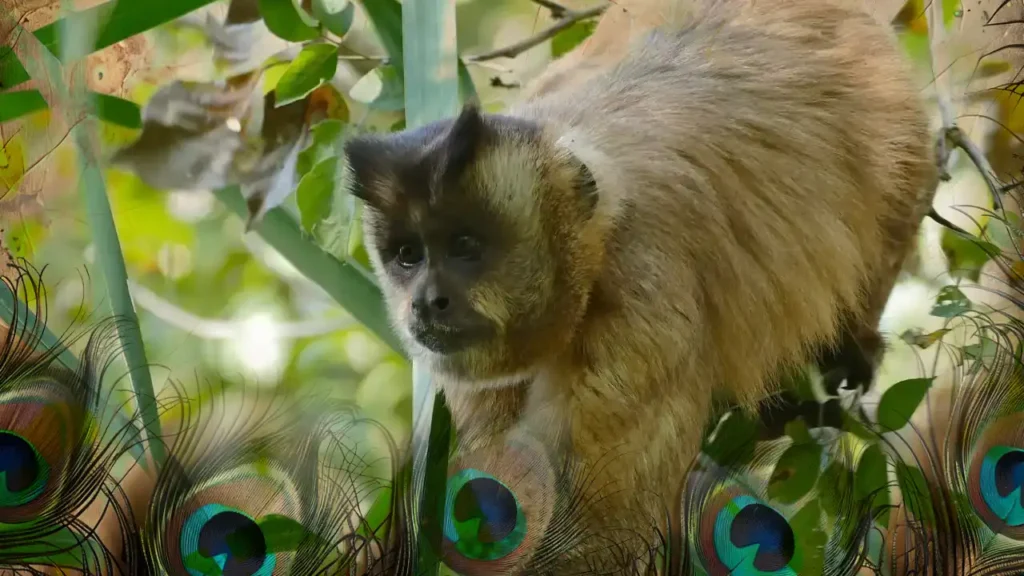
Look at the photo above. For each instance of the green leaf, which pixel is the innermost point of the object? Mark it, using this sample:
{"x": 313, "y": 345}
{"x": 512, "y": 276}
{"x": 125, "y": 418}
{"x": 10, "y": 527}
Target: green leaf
{"x": 951, "y": 10}
{"x": 915, "y": 494}
{"x": 288, "y": 21}
{"x": 379, "y": 512}
{"x": 1005, "y": 232}
{"x": 798, "y": 431}
{"x": 834, "y": 488}
{"x": 985, "y": 350}
{"x": 381, "y": 89}
{"x": 872, "y": 479}
{"x": 356, "y": 250}
{"x": 323, "y": 144}
{"x": 967, "y": 255}
{"x": 315, "y": 193}
{"x": 123, "y": 19}
{"x": 950, "y": 303}
{"x": 14, "y": 105}
{"x": 915, "y": 337}
{"x": 917, "y": 47}
{"x": 386, "y": 17}
{"x": 282, "y": 534}
{"x": 12, "y": 72}
{"x": 198, "y": 563}
{"x": 795, "y": 473}
{"x": 732, "y": 443}
{"x": 810, "y": 539}
{"x": 116, "y": 110}
{"x": 571, "y": 37}
{"x": 900, "y": 402}
{"x": 335, "y": 15}
{"x": 59, "y": 547}
{"x": 856, "y": 427}
{"x": 315, "y": 65}
{"x": 990, "y": 68}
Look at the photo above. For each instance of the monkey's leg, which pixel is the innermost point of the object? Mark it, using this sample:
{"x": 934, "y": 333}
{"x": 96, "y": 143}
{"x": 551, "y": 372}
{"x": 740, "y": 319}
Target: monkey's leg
{"x": 853, "y": 360}
{"x": 855, "y": 357}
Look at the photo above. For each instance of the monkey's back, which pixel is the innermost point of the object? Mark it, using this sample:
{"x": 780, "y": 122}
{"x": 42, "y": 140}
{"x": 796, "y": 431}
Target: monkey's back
{"x": 763, "y": 167}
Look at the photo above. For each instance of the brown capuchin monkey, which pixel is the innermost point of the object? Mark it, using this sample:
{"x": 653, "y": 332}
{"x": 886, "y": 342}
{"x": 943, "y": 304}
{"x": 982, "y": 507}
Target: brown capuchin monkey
{"x": 713, "y": 202}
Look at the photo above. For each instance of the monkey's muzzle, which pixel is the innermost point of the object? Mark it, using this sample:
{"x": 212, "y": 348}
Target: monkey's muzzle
{"x": 446, "y": 325}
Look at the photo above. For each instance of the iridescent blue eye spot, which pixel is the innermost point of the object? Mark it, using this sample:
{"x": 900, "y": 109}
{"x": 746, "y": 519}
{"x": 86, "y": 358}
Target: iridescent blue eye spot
{"x": 482, "y": 518}
{"x": 1001, "y": 479}
{"x": 762, "y": 526}
{"x": 217, "y": 540}
{"x": 23, "y": 472}
{"x": 753, "y": 538}
{"x": 488, "y": 500}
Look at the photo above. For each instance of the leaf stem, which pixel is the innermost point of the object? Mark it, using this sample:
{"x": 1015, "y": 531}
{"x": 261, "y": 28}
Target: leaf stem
{"x": 570, "y": 17}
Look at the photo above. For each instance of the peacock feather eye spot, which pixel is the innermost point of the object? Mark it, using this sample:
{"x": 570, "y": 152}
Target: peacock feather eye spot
{"x": 483, "y": 518}
{"x": 748, "y": 536}
{"x": 1010, "y": 473}
{"x": 23, "y": 471}
{"x": 491, "y": 504}
{"x": 1001, "y": 484}
{"x": 223, "y": 541}
{"x": 762, "y": 526}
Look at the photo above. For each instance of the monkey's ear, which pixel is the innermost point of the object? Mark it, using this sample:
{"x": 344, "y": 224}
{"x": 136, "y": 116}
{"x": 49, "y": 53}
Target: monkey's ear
{"x": 464, "y": 139}
{"x": 368, "y": 159}
{"x": 586, "y": 187}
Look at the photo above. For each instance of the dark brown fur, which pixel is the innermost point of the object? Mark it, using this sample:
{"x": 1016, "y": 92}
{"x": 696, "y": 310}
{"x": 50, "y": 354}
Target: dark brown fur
{"x": 761, "y": 170}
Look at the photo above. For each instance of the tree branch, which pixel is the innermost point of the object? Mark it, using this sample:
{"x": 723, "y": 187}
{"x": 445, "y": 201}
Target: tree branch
{"x": 960, "y": 140}
{"x": 569, "y": 18}
{"x": 936, "y": 41}
{"x": 952, "y": 136}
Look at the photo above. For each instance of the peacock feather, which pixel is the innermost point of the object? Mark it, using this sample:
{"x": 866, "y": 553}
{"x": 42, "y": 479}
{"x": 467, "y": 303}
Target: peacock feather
{"x": 264, "y": 486}
{"x": 61, "y": 436}
{"x": 252, "y": 484}
{"x": 960, "y": 474}
{"x": 792, "y": 507}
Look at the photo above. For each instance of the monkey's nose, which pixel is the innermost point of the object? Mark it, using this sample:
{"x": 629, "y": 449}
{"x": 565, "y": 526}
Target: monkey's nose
{"x": 431, "y": 305}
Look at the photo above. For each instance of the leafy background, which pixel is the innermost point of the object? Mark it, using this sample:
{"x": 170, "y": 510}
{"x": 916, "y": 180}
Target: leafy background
{"x": 214, "y": 302}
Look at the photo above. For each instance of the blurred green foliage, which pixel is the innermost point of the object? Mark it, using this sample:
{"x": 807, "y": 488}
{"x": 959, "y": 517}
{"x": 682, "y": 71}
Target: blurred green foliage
{"x": 213, "y": 302}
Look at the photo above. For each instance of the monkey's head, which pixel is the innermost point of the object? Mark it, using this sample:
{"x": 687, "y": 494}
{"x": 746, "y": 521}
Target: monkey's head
{"x": 482, "y": 232}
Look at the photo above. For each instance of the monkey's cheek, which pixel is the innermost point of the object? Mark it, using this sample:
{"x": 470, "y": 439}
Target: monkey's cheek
{"x": 491, "y": 304}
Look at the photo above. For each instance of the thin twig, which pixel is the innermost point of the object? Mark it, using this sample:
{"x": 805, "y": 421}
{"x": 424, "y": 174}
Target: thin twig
{"x": 557, "y": 10}
{"x": 957, "y": 137}
{"x": 215, "y": 329}
{"x": 571, "y": 17}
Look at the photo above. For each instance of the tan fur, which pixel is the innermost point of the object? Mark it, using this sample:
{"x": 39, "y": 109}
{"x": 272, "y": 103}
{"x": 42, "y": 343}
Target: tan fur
{"x": 737, "y": 255}
{"x": 762, "y": 169}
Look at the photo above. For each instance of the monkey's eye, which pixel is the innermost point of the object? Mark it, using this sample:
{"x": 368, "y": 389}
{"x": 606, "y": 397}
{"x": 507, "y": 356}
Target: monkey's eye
{"x": 465, "y": 247}
{"x": 410, "y": 254}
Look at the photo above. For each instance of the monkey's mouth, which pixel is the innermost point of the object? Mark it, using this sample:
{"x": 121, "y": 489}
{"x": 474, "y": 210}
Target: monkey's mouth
{"x": 445, "y": 338}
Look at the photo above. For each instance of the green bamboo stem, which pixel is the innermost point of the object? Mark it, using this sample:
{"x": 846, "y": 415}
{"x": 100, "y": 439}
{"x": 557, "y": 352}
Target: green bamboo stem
{"x": 108, "y": 248}
{"x": 346, "y": 284}
{"x": 11, "y": 307}
{"x": 115, "y": 279}
{"x": 430, "y": 63}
